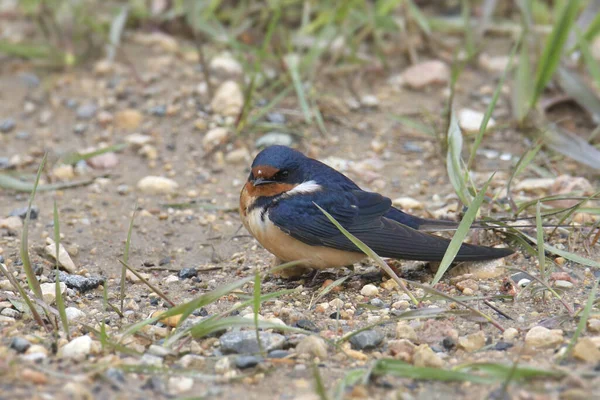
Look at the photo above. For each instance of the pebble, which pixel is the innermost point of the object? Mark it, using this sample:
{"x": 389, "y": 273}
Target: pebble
{"x": 276, "y": 118}
{"x": 9, "y": 312}
{"x": 244, "y": 362}
{"x": 20, "y": 345}
{"x": 49, "y": 291}
{"x": 402, "y": 349}
{"x": 86, "y": 111}
{"x": 138, "y": 140}
{"x": 180, "y": 384}
{"x": 538, "y": 336}
{"x": 171, "y": 279}
{"x": 7, "y": 125}
{"x": 313, "y": 346}
{"x": 562, "y": 284}
{"x": 467, "y": 284}
{"x": 81, "y": 283}
{"x": 593, "y": 325}
{"x": 128, "y": 120}
{"x": 523, "y": 282}
{"x": 244, "y": 342}
{"x": 586, "y": 350}
{"x": 535, "y": 185}
{"x": 225, "y": 66}
{"x": 123, "y": 189}
{"x": 157, "y": 185}
{"x": 470, "y": 120}
{"x": 78, "y": 348}
{"x": 33, "y": 376}
{"x": 405, "y": 331}
{"x": 228, "y": 99}
{"x": 11, "y": 223}
{"x": 64, "y": 259}
{"x": 22, "y": 212}
{"x": 215, "y": 137}
{"x": 274, "y": 138}
{"x": 369, "y": 101}
{"x": 449, "y": 342}
{"x": 278, "y": 354}
{"x": 104, "y": 161}
{"x": 407, "y": 203}
{"x": 158, "y": 111}
{"x": 501, "y": 346}
{"x": 472, "y": 342}
{"x": 187, "y": 273}
{"x": 223, "y": 365}
{"x": 423, "y": 356}
{"x": 377, "y": 302}
{"x": 426, "y": 73}
{"x": 510, "y": 334}
{"x": 74, "y": 314}
{"x": 307, "y": 325}
{"x": 238, "y": 156}
{"x": 64, "y": 172}
{"x": 493, "y": 63}
{"x": 366, "y": 340}
{"x": 369, "y": 290}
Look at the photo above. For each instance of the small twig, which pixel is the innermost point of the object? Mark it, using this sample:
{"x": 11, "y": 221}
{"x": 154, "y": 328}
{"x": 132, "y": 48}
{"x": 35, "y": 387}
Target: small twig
{"x": 493, "y": 307}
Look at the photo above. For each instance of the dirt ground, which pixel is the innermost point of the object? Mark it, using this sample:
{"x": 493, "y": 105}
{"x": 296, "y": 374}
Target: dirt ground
{"x": 95, "y": 218}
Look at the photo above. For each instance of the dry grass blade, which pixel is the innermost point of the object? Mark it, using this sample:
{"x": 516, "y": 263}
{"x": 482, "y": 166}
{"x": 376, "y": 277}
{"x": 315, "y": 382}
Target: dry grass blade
{"x": 461, "y": 233}
{"x": 74, "y": 158}
{"x": 588, "y": 58}
{"x": 151, "y": 286}
{"x": 24, "y": 296}
{"x": 374, "y": 256}
{"x": 32, "y": 281}
{"x": 546, "y": 286}
{"x": 540, "y": 240}
{"x": 60, "y": 301}
{"x": 383, "y": 265}
{"x": 327, "y": 289}
{"x": 126, "y": 257}
{"x": 293, "y": 68}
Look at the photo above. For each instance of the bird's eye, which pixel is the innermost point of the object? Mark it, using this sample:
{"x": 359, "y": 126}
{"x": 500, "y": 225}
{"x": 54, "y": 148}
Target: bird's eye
{"x": 284, "y": 173}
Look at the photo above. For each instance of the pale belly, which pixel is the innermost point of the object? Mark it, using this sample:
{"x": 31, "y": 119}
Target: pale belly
{"x": 286, "y": 248}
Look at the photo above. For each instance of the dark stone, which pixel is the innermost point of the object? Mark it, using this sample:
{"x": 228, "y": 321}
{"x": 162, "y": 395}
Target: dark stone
{"x": 115, "y": 374}
{"x": 278, "y": 354}
{"x": 276, "y": 118}
{"x": 366, "y": 340}
{"x": 201, "y": 312}
{"x": 501, "y": 346}
{"x": 244, "y": 342}
{"x": 1, "y": 259}
{"x": 448, "y": 343}
{"x": 7, "y": 125}
{"x": 187, "y": 273}
{"x": 518, "y": 276}
{"x": 158, "y": 111}
{"x": 437, "y": 348}
{"x": 20, "y": 345}
{"x": 334, "y": 315}
{"x": 86, "y": 111}
{"x": 22, "y": 212}
{"x": 154, "y": 301}
{"x": 244, "y": 362}
{"x": 4, "y": 163}
{"x": 165, "y": 261}
{"x": 307, "y": 324}
{"x": 412, "y": 147}
{"x": 81, "y": 283}
{"x": 377, "y": 303}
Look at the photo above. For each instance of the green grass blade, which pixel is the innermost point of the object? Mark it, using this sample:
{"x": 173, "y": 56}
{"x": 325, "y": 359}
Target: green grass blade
{"x": 32, "y": 281}
{"x": 554, "y": 48}
{"x": 565, "y": 254}
{"x": 461, "y": 233}
{"x": 490, "y": 108}
{"x": 590, "y": 62}
{"x": 414, "y": 124}
{"x": 74, "y": 158}
{"x": 15, "y": 283}
{"x": 523, "y": 87}
{"x": 402, "y": 369}
{"x": 319, "y": 386}
{"x": 454, "y": 160}
{"x": 293, "y": 69}
{"x": 145, "y": 282}
{"x": 583, "y": 319}
{"x": 60, "y": 301}
{"x": 256, "y": 310}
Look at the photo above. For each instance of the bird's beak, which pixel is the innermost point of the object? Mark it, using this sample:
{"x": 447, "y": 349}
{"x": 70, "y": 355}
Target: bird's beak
{"x": 261, "y": 181}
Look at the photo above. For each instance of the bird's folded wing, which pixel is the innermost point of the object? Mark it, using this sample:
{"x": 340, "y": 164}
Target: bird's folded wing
{"x": 364, "y": 215}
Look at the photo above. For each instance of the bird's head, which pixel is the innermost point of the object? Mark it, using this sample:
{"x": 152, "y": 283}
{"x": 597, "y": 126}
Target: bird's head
{"x": 280, "y": 169}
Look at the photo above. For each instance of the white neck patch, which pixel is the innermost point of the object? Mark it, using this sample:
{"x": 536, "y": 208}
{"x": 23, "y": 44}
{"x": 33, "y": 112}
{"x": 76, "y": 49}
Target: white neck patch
{"x": 304, "y": 188}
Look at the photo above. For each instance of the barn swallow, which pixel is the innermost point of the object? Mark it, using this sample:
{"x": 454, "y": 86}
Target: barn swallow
{"x": 277, "y": 206}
